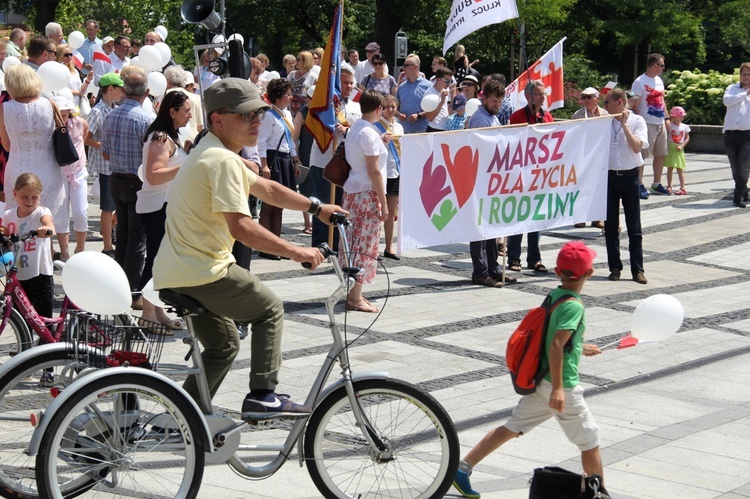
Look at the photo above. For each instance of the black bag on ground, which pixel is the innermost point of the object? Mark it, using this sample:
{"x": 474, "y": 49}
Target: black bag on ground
{"x": 552, "y": 482}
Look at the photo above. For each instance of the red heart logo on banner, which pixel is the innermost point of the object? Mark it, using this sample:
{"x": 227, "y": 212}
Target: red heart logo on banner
{"x": 433, "y": 188}
{"x": 463, "y": 171}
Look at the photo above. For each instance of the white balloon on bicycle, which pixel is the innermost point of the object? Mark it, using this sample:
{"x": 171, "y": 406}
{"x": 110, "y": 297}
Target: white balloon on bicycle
{"x": 96, "y": 283}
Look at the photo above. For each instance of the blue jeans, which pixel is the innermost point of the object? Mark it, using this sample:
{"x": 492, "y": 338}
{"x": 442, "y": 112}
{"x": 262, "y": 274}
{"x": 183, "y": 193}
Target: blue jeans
{"x": 737, "y": 147}
{"x": 533, "y": 255}
{"x": 321, "y": 189}
{"x": 625, "y": 186}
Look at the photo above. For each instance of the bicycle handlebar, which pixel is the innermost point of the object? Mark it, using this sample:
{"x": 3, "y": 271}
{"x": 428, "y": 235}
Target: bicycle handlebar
{"x": 339, "y": 220}
{"x": 14, "y": 238}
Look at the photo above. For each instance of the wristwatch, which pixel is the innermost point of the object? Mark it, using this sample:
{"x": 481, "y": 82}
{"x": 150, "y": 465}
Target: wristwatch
{"x": 316, "y": 205}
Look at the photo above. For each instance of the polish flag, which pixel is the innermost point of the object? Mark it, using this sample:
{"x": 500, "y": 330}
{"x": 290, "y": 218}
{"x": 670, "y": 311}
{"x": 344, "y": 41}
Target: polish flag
{"x": 608, "y": 87}
{"x": 100, "y": 55}
{"x": 548, "y": 69}
{"x": 78, "y": 59}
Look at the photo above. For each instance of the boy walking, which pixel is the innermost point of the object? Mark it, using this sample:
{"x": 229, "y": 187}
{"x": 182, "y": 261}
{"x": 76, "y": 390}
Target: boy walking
{"x": 559, "y": 394}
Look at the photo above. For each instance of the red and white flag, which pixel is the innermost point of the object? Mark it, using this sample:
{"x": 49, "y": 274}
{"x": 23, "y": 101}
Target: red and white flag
{"x": 78, "y": 59}
{"x": 608, "y": 87}
{"x": 549, "y": 69}
{"x": 100, "y": 55}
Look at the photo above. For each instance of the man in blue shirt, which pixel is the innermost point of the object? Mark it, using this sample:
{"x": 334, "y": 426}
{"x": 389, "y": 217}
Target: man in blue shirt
{"x": 87, "y": 49}
{"x": 487, "y": 271}
{"x": 410, "y": 94}
{"x": 122, "y": 145}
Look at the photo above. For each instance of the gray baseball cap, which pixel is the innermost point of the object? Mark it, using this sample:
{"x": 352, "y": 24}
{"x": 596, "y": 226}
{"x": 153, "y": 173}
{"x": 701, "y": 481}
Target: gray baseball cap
{"x": 236, "y": 95}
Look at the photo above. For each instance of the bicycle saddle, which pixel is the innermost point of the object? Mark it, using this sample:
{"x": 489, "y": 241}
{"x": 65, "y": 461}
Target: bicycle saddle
{"x": 181, "y": 301}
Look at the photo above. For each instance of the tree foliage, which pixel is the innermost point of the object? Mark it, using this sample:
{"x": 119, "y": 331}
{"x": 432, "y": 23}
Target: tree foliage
{"x": 614, "y": 35}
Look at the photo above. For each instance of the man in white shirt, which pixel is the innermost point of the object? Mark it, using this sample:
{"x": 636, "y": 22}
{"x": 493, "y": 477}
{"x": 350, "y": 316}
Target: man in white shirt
{"x": 119, "y": 55}
{"x": 438, "y": 117}
{"x": 348, "y": 113}
{"x": 87, "y": 49}
{"x": 737, "y": 133}
{"x": 629, "y": 138}
{"x": 649, "y": 104}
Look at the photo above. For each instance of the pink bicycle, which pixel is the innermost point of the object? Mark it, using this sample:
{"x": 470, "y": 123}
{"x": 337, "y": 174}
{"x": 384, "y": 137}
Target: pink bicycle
{"x": 19, "y": 318}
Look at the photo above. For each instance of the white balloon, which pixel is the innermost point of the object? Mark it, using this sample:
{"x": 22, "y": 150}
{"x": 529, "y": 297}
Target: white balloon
{"x": 76, "y": 39}
{"x": 429, "y": 103}
{"x": 96, "y": 283}
{"x": 218, "y": 39}
{"x": 273, "y": 75}
{"x": 151, "y": 294}
{"x": 237, "y": 36}
{"x": 165, "y": 51}
{"x": 149, "y": 58}
{"x": 472, "y": 106}
{"x": 135, "y": 62}
{"x": 656, "y": 318}
{"x": 161, "y": 31}
{"x": 140, "y": 172}
{"x": 10, "y": 61}
{"x": 157, "y": 84}
{"x": 54, "y": 76}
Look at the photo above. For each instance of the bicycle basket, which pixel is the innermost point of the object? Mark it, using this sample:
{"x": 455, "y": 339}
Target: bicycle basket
{"x": 110, "y": 345}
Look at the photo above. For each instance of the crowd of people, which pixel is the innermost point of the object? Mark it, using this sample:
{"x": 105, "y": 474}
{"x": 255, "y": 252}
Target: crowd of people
{"x": 179, "y": 176}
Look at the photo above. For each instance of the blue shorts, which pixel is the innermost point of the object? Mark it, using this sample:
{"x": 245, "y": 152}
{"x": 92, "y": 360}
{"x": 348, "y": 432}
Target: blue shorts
{"x": 106, "y": 202}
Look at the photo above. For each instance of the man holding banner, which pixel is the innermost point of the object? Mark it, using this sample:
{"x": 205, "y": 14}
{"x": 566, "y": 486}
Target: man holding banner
{"x": 629, "y": 138}
{"x": 484, "y": 253}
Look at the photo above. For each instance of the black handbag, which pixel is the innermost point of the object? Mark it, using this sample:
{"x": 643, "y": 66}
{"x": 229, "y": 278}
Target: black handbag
{"x": 65, "y": 151}
{"x": 552, "y": 482}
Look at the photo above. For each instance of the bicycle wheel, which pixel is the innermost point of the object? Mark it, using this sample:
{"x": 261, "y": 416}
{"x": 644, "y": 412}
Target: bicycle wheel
{"x": 27, "y": 385}
{"x": 15, "y": 337}
{"x": 134, "y": 436}
{"x": 418, "y": 445}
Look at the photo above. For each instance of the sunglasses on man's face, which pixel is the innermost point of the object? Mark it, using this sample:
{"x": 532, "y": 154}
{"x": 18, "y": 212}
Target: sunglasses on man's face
{"x": 587, "y": 97}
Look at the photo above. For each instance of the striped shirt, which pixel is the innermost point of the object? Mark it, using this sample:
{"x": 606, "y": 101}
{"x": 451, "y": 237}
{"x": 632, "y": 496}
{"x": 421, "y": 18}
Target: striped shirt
{"x": 97, "y": 163}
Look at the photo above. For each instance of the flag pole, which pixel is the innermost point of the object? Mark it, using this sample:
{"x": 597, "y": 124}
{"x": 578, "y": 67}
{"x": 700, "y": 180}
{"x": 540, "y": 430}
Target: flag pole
{"x": 332, "y": 193}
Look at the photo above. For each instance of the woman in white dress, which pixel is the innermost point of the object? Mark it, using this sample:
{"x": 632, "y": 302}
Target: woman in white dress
{"x": 26, "y": 126}
{"x": 162, "y": 157}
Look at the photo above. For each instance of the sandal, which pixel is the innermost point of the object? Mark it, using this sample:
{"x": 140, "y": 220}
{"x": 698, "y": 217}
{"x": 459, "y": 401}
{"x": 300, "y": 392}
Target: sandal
{"x": 307, "y": 231}
{"x": 515, "y": 266}
{"x": 361, "y": 306}
{"x": 680, "y": 192}
{"x": 152, "y": 327}
{"x": 175, "y": 324}
{"x": 539, "y": 268}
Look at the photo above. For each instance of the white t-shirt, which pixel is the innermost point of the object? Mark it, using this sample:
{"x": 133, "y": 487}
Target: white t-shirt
{"x": 651, "y": 105}
{"x": 363, "y": 140}
{"x": 678, "y": 133}
{"x": 36, "y": 255}
{"x": 441, "y": 120}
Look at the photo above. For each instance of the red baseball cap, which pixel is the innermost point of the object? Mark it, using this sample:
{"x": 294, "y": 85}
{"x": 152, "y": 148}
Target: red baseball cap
{"x": 576, "y": 258}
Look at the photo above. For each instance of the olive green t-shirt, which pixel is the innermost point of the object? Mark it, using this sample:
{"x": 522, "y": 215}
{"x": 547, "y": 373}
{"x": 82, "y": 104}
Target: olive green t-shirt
{"x": 567, "y": 316}
{"x": 197, "y": 244}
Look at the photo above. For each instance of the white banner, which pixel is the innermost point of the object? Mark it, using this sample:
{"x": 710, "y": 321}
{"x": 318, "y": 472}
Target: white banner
{"x": 548, "y": 69}
{"x": 472, "y": 185}
{"x": 467, "y": 16}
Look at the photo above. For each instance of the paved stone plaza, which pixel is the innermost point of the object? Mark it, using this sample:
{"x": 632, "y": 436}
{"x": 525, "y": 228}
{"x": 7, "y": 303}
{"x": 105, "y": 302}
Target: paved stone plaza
{"x": 674, "y": 415}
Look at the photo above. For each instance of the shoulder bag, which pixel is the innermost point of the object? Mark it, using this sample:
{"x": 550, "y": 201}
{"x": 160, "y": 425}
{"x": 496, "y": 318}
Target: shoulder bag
{"x": 552, "y": 482}
{"x": 65, "y": 151}
{"x": 337, "y": 170}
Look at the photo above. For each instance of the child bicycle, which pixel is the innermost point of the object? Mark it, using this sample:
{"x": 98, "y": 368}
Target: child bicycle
{"x": 125, "y": 431}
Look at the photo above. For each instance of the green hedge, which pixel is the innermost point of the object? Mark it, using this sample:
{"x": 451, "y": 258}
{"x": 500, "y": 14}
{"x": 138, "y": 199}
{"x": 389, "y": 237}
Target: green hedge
{"x": 700, "y": 94}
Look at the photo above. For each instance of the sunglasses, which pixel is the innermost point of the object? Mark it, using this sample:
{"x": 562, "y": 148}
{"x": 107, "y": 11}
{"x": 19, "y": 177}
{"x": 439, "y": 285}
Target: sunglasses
{"x": 447, "y": 82}
{"x": 67, "y": 55}
{"x": 251, "y": 116}
{"x": 51, "y": 51}
{"x": 662, "y": 65}
{"x": 587, "y": 97}
{"x": 378, "y": 63}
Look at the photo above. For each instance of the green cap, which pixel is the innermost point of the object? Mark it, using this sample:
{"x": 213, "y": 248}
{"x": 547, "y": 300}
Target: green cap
{"x": 110, "y": 79}
{"x": 236, "y": 95}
